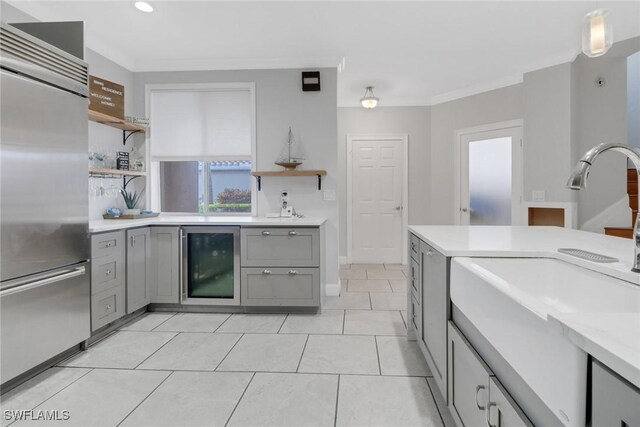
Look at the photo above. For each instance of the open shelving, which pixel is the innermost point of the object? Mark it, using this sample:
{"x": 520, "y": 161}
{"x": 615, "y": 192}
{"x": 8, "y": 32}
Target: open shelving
{"x": 318, "y": 173}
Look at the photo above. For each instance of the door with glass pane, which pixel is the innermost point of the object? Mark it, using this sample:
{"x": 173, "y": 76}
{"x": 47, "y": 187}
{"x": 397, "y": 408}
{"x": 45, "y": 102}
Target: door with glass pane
{"x": 491, "y": 177}
{"x": 211, "y": 265}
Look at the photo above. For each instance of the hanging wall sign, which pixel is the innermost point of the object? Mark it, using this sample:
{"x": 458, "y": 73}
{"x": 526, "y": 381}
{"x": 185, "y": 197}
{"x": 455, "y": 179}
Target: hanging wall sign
{"x": 106, "y": 97}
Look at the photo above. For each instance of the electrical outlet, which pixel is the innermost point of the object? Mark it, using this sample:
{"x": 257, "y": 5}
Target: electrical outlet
{"x": 538, "y": 195}
{"x": 329, "y": 194}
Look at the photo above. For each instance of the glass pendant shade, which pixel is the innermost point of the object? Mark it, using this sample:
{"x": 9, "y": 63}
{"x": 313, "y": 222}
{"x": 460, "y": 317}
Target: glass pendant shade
{"x": 597, "y": 34}
{"x": 369, "y": 100}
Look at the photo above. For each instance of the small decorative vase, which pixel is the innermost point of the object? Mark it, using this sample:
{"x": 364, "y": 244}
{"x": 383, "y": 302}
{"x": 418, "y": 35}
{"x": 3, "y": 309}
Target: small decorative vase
{"x": 131, "y": 212}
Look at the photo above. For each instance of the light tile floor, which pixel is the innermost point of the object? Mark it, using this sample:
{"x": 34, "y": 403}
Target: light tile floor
{"x": 349, "y": 366}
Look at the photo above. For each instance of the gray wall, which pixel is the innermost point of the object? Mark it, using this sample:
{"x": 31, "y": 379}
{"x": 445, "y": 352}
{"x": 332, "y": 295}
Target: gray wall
{"x": 490, "y": 107}
{"x": 413, "y": 121}
{"x": 280, "y": 103}
{"x": 633, "y": 99}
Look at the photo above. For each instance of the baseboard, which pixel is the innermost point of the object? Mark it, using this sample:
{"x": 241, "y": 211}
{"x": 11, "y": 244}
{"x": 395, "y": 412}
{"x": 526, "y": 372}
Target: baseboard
{"x": 332, "y": 289}
{"x": 342, "y": 260}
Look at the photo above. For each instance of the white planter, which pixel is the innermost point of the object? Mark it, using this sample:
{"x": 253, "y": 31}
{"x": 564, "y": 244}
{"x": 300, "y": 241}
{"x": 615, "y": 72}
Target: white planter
{"x": 131, "y": 212}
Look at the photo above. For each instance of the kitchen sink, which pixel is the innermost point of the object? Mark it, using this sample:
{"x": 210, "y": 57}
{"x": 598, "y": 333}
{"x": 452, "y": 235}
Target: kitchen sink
{"x": 509, "y": 299}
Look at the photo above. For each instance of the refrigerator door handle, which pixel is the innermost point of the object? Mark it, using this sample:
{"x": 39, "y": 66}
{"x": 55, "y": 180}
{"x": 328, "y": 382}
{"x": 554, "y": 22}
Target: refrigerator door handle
{"x": 49, "y": 280}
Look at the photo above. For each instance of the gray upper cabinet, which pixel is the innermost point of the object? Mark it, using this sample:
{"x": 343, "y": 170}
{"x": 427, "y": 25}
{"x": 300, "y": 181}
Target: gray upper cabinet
{"x": 165, "y": 265}
{"x": 280, "y": 247}
{"x": 614, "y": 401}
{"x": 138, "y": 268}
{"x": 434, "y": 296}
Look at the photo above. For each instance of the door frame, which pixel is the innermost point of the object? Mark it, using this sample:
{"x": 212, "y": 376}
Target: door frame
{"x": 401, "y": 138}
{"x": 518, "y": 158}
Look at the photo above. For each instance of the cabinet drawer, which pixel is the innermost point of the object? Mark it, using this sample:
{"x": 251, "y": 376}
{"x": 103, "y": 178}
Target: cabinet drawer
{"x": 106, "y": 272}
{"x": 104, "y": 244}
{"x": 280, "y": 247}
{"x": 296, "y": 287}
{"x": 106, "y": 307}
{"x": 414, "y": 246}
{"x": 414, "y": 279}
{"x": 615, "y": 402}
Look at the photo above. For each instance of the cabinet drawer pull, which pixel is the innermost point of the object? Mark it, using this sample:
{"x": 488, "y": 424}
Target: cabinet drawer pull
{"x": 266, "y": 271}
{"x": 488, "y": 414}
{"x": 478, "y": 388}
{"x": 107, "y": 307}
{"x": 293, "y": 272}
{"x": 292, "y": 233}
{"x": 108, "y": 245}
{"x": 108, "y": 272}
{"x": 429, "y": 252}
{"x": 266, "y": 233}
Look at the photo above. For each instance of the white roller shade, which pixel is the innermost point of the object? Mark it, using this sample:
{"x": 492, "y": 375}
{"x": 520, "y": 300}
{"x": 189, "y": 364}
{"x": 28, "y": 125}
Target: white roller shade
{"x": 201, "y": 124}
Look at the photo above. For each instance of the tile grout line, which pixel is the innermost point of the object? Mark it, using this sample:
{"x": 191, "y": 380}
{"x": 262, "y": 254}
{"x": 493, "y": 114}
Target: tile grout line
{"x": 145, "y": 398}
{"x": 403, "y": 321}
{"x": 375, "y": 337}
{"x": 302, "y": 354}
{"x": 283, "y": 321}
{"x": 162, "y": 323}
{"x": 435, "y": 402}
{"x": 59, "y": 391}
{"x": 344, "y": 319}
{"x": 157, "y": 350}
{"x": 223, "y": 322}
{"x": 239, "y": 400}
{"x": 370, "y": 303}
{"x": 335, "y": 414}
{"x": 228, "y": 352}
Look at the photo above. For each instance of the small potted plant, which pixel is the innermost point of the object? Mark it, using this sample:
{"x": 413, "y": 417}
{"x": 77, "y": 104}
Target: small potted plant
{"x": 131, "y": 200}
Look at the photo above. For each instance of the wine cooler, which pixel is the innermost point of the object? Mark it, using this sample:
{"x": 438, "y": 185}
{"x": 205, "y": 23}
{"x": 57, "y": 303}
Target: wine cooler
{"x": 210, "y": 265}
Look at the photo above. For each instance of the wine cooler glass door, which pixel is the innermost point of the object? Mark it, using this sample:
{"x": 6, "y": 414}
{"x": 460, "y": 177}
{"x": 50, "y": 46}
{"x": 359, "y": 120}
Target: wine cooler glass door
{"x": 211, "y": 266}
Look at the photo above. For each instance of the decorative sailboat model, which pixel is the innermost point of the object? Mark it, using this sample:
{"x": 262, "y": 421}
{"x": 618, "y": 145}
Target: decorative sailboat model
{"x": 290, "y": 156}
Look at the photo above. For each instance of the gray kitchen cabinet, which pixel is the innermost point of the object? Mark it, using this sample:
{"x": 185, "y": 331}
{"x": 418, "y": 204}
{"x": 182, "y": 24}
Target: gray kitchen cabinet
{"x": 434, "y": 298}
{"x": 279, "y": 247}
{"x": 138, "y": 268}
{"x": 107, "y": 278}
{"x": 476, "y": 397}
{"x": 165, "y": 265}
{"x": 415, "y": 286}
{"x": 614, "y": 401}
{"x": 280, "y": 287}
{"x": 280, "y": 267}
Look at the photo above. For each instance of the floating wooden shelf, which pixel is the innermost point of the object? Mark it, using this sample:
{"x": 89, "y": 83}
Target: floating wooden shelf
{"x": 318, "y": 173}
{"x": 117, "y": 172}
{"x": 115, "y": 122}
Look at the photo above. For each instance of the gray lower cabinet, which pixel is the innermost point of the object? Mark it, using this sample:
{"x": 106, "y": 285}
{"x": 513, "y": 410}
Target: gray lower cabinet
{"x": 476, "y": 397}
{"x": 138, "y": 268}
{"x": 280, "y": 287}
{"x": 614, "y": 401}
{"x": 434, "y": 298}
{"x": 280, "y": 266}
{"x": 107, "y": 278}
{"x": 165, "y": 265}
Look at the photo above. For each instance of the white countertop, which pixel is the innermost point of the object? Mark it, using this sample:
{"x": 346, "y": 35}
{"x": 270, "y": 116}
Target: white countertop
{"x": 99, "y": 226}
{"x": 612, "y": 338}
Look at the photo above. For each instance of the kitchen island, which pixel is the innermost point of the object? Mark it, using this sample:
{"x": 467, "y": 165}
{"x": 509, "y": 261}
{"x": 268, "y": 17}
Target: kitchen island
{"x": 440, "y": 325}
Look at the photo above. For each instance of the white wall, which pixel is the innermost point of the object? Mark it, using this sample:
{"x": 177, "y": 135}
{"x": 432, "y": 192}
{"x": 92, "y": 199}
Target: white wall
{"x": 413, "y": 121}
{"x": 490, "y": 107}
{"x": 280, "y": 103}
{"x": 633, "y": 99}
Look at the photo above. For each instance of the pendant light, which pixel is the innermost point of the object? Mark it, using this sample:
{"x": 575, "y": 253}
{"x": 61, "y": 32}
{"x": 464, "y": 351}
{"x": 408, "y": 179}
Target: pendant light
{"x": 597, "y": 35}
{"x": 369, "y": 100}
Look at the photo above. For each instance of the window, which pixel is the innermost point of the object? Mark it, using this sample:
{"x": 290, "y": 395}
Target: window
{"x": 202, "y": 146}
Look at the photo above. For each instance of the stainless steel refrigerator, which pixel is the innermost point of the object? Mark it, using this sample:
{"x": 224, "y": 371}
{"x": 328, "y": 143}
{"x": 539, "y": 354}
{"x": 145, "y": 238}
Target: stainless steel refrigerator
{"x": 44, "y": 270}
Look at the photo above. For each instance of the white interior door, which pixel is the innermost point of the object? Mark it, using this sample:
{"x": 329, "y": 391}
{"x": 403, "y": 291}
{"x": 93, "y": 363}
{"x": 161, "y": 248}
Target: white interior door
{"x": 491, "y": 177}
{"x": 376, "y": 180}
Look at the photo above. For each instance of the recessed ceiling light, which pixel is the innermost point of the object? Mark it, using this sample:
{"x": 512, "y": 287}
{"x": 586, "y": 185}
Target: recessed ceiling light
{"x": 143, "y": 6}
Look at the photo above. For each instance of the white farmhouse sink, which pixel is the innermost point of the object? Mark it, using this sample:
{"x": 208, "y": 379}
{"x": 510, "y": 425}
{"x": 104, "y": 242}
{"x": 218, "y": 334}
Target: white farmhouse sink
{"x": 508, "y": 301}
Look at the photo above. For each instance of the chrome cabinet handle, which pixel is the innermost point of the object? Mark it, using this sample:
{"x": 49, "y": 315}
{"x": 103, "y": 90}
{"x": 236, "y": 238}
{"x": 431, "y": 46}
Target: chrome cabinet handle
{"x": 293, "y": 272}
{"x": 488, "y": 414}
{"x": 108, "y": 245}
{"x": 429, "y": 252}
{"x": 266, "y": 233}
{"x": 266, "y": 271}
{"x": 108, "y": 272}
{"x": 107, "y": 307}
{"x": 293, "y": 233}
{"x": 133, "y": 240}
{"x": 478, "y": 388}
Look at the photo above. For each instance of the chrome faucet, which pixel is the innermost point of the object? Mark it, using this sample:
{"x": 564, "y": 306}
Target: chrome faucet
{"x": 578, "y": 181}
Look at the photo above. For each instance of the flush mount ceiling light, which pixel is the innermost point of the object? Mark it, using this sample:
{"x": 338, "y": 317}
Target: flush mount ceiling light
{"x": 368, "y": 100}
{"x": 597, "y": 35}
{"x": 143, "y": 6}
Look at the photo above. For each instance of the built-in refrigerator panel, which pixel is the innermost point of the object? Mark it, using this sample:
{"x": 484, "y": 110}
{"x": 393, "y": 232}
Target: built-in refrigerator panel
{"x": 43, "y": 177}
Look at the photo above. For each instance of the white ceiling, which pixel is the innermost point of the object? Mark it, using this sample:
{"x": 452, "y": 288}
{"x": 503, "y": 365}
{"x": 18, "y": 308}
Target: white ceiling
{"x": 414, "y": 53}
